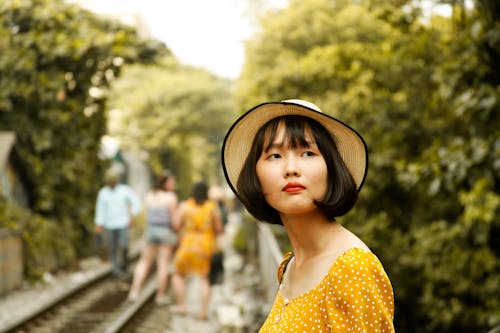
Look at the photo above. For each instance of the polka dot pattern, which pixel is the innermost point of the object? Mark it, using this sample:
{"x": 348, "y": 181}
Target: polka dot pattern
{"x": 355, "y": 296}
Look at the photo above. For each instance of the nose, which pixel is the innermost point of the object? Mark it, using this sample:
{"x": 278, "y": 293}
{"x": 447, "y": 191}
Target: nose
{"x": 291, "y": 168}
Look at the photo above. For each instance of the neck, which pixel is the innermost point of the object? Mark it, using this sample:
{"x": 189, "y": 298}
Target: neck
{"x": 312, "y": 236}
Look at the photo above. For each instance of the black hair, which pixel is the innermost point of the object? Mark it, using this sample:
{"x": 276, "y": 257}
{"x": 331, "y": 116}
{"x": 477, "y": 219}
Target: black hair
{"x": 199, "y": 192}
{"x": 160, "y": 183}
{"x": 341, "y": 192}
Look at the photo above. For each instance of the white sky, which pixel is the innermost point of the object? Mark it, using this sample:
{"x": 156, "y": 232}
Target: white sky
{"x": 203, "y": 33}
{"x": 206, "y": 33}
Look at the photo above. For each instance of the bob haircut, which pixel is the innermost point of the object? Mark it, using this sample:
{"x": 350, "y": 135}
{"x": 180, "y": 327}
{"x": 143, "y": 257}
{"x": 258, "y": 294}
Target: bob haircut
{"x": 200, "y": 192}
{"x": 341, "y": 192}
{"x": 160, "y": 182}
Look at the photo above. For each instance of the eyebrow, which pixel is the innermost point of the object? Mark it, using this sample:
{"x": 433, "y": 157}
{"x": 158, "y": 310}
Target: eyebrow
{"x": 280, "y": 145}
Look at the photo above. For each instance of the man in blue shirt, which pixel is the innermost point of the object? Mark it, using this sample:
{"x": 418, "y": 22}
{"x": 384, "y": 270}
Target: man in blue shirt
{"x": 116, "y": 207}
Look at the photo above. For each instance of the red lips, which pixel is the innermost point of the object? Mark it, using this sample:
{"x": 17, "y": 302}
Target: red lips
{"x": 293, "y": 187}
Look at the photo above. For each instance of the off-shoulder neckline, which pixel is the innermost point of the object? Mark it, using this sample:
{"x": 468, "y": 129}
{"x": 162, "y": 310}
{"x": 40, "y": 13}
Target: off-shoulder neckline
{"x": 324, "y": 279}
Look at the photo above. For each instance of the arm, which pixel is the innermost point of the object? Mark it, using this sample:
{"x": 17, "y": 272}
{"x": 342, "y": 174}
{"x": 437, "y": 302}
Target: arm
{"x": 217, "y": 220}
{"x": 134, "y": 203}
{"x": 361, "y": 294}
{"x": 177, "y": 220}
{"x": 172, "y": 204}
{"x": 99, "y": 213}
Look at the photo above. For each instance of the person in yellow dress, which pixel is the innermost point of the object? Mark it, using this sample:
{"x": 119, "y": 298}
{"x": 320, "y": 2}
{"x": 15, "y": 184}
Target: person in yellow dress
{"x": 291, "y": 164}
{"x": 199, "y": 222}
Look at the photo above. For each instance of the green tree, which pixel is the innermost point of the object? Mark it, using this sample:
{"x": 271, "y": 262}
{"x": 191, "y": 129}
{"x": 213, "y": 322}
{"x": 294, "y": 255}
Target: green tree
{"x": 426, "y": 101}
{"x": 177, "y": 114}
{"x": 56, "y": 63}
{"x": 457, "y": 178}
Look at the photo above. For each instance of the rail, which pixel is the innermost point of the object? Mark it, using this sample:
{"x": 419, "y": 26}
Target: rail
{"x": 146, "y": 295}
{"x": 270, "y": 257}
{"x": 100, "y": 274}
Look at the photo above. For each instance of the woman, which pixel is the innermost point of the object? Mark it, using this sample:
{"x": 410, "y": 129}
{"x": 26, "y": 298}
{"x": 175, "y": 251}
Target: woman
{"x": 199, "y": 222}
{"x": 160, "y": 238}
{"x": 291, "y": 164}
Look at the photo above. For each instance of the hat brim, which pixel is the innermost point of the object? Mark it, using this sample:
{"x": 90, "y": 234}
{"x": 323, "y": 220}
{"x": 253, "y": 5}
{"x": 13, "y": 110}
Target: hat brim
{"x": 239, "y": 139}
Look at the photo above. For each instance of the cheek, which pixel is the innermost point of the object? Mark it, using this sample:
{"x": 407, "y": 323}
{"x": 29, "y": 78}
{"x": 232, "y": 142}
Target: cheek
{"x": 260, "y": 175}
{"x": 323, "y": 189}
{"x": 322, "y": 180}
{"x": 265, "y": 176}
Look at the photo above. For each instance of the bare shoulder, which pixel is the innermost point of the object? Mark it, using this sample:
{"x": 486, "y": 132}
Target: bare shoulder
{"x": 352, "y": 241}
{"x": 171, "y": 196}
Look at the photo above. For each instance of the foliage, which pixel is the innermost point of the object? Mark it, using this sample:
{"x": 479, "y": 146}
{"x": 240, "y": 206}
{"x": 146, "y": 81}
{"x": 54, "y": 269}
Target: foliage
{"x": 56, "y": 63}
{"x": 44, "y": 243}
{"x": 425, "y": 96}
{"x": 177, "y": 114}
{"x": 460, "y": 170}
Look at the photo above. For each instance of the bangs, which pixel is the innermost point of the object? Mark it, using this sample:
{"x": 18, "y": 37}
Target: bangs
{"x": 298, "y": 132}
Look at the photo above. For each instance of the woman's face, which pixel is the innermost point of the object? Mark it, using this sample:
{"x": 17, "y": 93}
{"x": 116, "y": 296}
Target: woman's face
{"x": 292, "y": 178}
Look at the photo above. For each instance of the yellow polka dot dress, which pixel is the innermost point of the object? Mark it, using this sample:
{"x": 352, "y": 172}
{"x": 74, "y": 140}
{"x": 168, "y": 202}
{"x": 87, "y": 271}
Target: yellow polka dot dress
{"x": 355, "y": 296}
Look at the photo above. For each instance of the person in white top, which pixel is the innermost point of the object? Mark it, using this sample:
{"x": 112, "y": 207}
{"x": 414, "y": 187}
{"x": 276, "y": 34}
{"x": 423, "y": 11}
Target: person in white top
{"x": 160, "y": 238}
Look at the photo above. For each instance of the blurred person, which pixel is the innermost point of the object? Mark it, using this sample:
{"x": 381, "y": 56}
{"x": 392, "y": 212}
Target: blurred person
{"x": 292, "y": 165}
{"x": 116, "y": 207}
{"x": 216, "y": 193}
{"x": 159, "y": 236}
{"x": 198, "y": 221}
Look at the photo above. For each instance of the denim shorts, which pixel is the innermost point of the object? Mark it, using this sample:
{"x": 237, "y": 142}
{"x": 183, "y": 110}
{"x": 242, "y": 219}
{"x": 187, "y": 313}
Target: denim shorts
{"x": 160, "y": 235}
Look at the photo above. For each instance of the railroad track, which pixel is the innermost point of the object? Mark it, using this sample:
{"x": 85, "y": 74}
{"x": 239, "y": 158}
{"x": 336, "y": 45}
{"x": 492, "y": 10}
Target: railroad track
{"x": 97, "y": 305}
{"x": 101, "y": 306}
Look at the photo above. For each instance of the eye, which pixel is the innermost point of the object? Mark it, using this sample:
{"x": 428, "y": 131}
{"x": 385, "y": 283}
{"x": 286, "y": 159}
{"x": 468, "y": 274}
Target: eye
{"x": 308, "y": 153}
{"x": 273, "y": 156}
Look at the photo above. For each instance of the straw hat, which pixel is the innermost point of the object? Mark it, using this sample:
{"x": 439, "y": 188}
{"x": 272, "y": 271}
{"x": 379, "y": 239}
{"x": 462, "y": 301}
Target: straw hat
{"x": 239, "y": 138}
